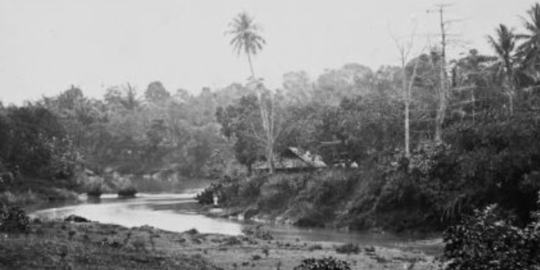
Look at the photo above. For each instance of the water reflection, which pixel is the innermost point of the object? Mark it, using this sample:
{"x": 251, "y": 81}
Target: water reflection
{"x": 172, "y": 212}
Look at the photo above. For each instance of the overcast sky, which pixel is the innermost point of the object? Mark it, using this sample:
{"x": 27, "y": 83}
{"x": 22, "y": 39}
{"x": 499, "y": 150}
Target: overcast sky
{"x": 48, "y": 45}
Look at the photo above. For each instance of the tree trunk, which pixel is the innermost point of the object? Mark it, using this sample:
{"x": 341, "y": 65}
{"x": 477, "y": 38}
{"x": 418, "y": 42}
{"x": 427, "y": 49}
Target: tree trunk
{"x": 407, "y": 88}
{"x": 407, "y": 106}
{"x": 509, "y": 78}
{"x": 251, "y": 66}
{"x": 267, "y": 123}
{"x": 441, "y": 110}
{"x": 270, "y": 138}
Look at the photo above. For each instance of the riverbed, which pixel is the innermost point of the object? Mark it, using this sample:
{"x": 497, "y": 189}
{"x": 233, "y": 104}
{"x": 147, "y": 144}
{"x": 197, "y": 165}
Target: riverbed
{"x": 179, "y": 212}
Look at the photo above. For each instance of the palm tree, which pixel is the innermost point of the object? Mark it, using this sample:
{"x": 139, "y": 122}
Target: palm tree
{"x": 504, "y": 44}
{"x": 246, "y": 38}
{"x": 529, "y": 50}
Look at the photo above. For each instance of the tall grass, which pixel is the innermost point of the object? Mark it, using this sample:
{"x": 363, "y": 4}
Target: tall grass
{"x": 19, "y": 198}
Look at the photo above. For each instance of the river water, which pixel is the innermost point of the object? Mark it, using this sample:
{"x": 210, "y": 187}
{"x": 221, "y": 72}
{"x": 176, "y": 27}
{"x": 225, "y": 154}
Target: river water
{"x": 179, "y": 212}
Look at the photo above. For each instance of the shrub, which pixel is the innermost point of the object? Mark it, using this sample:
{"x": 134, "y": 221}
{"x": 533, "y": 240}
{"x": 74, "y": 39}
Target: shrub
{"x": 95, "y": 186}
{"x": 19, "y": 198}
{"x": 232, "y": 241}
{"x": 257, "y": 232}
{"x": 127, "y": 192}
{"x": 348, "y": 249}
{"x": 485, "y": 241}
{"x": 192, "y": 231}
{"x": 251, "y": 188}
{"x": 13, "y": 219}
{"x": 326, "y": 263}
{"x": 227, "y": 189}
{"x": 207, "y": 195}
{"x": 277, "y": 192}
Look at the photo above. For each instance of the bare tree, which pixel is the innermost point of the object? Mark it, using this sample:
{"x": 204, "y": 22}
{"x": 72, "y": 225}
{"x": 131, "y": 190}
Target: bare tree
{"x": 443, "y": 90}
{"x": 405, "y": 47}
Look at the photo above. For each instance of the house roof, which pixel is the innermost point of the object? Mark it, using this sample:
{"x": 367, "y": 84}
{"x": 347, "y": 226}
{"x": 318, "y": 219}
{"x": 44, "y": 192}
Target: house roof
{"x": 293, "y": 158}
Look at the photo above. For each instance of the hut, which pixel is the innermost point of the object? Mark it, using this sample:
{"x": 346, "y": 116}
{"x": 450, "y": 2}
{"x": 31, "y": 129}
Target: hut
{"x": 292, "y": 159}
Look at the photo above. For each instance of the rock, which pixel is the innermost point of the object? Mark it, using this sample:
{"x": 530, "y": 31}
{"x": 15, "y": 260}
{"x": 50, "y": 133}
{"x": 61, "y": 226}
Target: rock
{"x": 74, "y": 218}
{"x": 192, "y": 231}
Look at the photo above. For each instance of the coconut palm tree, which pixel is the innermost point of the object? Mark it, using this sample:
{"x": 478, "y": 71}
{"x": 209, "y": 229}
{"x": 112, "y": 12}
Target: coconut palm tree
{"x": 504, "y": 44}
{"x": 529, "y": 50}
{"x": 246, "y": 38}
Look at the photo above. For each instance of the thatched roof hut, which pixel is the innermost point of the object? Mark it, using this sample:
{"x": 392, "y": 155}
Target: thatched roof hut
{"x": 293, "y": 159}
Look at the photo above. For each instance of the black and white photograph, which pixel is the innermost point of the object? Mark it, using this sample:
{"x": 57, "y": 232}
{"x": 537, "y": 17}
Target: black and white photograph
{"x": 269, "y": 135}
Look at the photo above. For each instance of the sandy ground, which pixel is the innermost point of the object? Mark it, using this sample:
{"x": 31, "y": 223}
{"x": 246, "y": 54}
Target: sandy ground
{"x": 67, "y": 245}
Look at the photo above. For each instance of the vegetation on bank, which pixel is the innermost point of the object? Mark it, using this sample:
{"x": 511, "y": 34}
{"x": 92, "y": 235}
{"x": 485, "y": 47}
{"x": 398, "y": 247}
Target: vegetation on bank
{"x": 493, "y": 161}
{"x": 490, "y": 240}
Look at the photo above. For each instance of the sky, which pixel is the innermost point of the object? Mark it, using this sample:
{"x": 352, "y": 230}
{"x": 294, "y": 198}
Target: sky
{"x": 48, "y": 45}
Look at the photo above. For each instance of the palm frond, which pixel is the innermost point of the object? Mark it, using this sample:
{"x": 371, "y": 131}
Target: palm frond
{"x": 245, "y": 33}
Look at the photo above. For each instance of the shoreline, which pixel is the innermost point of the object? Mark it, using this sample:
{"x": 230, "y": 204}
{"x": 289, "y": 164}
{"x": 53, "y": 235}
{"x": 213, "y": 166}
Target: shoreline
{"x": 61, "y": 243}
{"x": 431, "y": 243}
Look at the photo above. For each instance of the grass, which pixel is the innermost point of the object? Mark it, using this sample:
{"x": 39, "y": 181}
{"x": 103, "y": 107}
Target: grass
{"x": 35, "y": 196}
{"x": 19, "y": 198}
{"x": 348, "y": 248}
{"x": 65, "y": 245}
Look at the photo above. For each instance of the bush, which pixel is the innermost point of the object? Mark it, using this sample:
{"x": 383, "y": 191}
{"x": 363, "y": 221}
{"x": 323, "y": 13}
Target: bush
{"x": 13, "y": 219}
{"x": 232, "y": 241}
{"x": 19, "y": 198}
{"x": 326, "y": 263}
{"x": 127, "y": 192}
{"x": 315, "y": 247}
{"x": 485, "y": 241}
{"x": 257, "y": 232}
{"x": 227, "y": 189}
{"x": 95, "y": 186}
{"x": 348, "y": 249}
{"x": 207, "y": 195}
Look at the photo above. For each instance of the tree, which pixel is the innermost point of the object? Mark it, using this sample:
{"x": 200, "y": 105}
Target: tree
{"x": 239, "y": 123}
{"x": 404, "y": 49}
{"x": 529, "y": 50}
{"x": 350, "y": 80}
{"x": 475, "y": 89}
{"x": 504, "y": 44}
{"x": 156, "y": 93}
{"x": 425, "y": 94}
{"x": 124, "y": 98}
{"x": 298, "y": 88}
{"x": 246, "y": 39}
{"x": 442, "y": 90}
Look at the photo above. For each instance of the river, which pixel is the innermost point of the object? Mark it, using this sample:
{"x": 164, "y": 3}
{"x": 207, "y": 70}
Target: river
{"x": 179, "y": 212}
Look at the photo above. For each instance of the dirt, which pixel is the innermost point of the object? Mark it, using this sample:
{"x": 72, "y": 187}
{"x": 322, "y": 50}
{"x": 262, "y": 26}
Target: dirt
{"x": 67, "y": 245}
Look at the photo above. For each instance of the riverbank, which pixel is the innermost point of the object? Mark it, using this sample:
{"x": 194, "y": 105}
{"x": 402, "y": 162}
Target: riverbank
{"x": 362, "y": 199}
{"x": 57, "y": 244}
{"x": 29, "y": 193}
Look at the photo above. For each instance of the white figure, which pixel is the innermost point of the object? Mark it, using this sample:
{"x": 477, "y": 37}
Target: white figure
{"x": 215, "y": 199}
